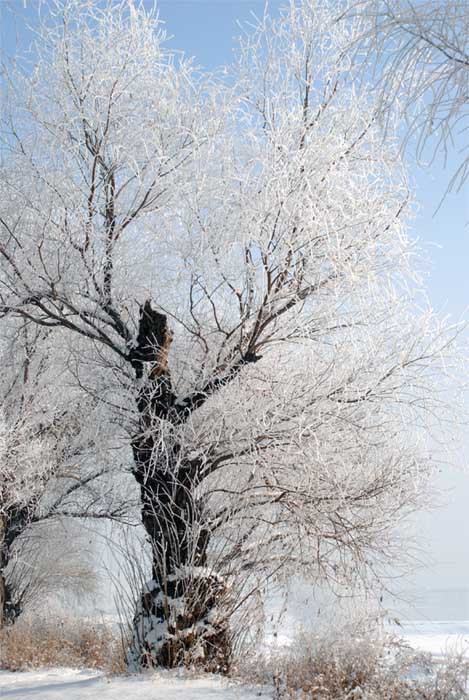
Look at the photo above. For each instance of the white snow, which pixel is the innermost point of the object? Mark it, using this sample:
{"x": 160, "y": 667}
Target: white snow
{"x": 437, "y": 638}
{"x": 70, "y": 684}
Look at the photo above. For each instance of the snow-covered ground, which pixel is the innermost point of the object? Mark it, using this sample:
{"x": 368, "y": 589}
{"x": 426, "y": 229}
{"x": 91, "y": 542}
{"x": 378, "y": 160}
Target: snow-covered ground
{"x": 437, "y": 638}
{"x": 69, "y": 684}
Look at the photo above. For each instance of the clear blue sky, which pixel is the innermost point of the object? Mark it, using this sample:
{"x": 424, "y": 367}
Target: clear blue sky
{"x": 205, "y": 30}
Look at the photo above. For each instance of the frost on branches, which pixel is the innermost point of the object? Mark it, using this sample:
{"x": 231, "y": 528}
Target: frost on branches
{"x": 419, "y": 53}
{"x": 48, "y": 475}
{"x": 225, "y": 269}
{"x": 24, "y": 466}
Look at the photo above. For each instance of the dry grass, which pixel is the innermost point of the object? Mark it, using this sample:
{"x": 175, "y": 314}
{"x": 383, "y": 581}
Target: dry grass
{"x": 361, "y": 669}
{"x": 350, "y": 668}
{"x": 60, "y": 642}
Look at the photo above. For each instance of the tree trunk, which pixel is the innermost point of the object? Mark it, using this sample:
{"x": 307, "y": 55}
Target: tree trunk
{"x": 10, "y": 609}
{"x": 3, "y": 591}
{"x": 179, "y": 618}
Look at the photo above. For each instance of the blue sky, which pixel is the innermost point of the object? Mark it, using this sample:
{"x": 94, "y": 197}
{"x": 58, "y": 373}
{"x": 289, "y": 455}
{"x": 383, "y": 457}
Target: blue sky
{"x": 205, "y": 29}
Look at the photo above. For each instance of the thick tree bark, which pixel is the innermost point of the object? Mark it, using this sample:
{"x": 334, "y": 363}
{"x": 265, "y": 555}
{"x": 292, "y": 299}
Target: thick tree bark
{"x": 10, "y": 605}
{"x": 3, "y": 591}
{"x": 178, "y": 619}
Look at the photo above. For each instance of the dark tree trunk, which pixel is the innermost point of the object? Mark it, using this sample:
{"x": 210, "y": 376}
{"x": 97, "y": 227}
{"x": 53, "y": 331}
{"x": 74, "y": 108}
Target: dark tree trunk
{"x": 10, "y": 608}
{"x": 10, "y": 604}
{"x": 178, "y": 618}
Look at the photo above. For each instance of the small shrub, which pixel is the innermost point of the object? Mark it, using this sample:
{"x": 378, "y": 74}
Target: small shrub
{"x": 60, "y": 642}
{"x": 372, "y": 668}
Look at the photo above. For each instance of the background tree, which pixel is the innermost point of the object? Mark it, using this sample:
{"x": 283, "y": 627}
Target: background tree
{"x": 420, "y": 54}
{"x": 44, "y": 478}
{"x": 223, "y": 270}
{"x": 20, "y": 484}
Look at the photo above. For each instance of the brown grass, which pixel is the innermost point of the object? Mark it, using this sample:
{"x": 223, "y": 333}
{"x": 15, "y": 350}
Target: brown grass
{"x": 355, "y": 669}
{"x": 59, "y": 642}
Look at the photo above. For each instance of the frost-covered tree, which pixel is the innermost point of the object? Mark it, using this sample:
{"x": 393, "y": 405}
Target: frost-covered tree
{"x": 420, "y": 55}
{"x": 223, "y": 267}
{"x": 24, "y": 466}
{"x": 45, "y": 477}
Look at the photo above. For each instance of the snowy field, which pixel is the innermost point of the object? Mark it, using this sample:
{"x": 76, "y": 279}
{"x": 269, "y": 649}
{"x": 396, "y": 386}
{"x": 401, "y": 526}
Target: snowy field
{"x": 69, "y": 684}
{"x": 437, "y": 638}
